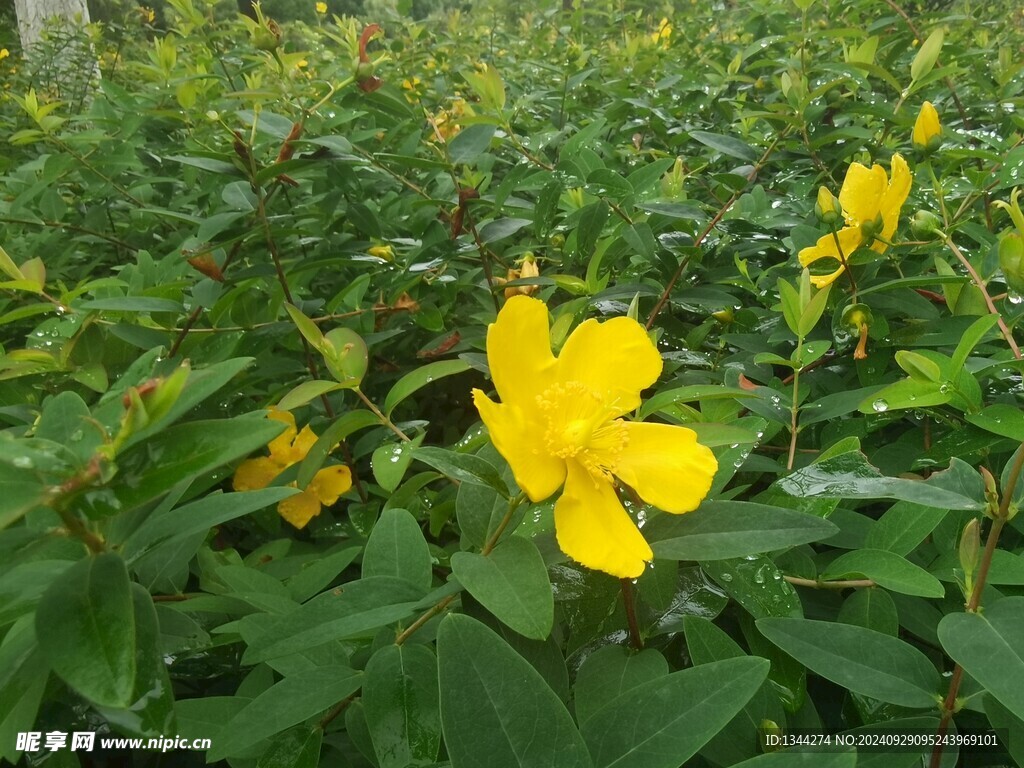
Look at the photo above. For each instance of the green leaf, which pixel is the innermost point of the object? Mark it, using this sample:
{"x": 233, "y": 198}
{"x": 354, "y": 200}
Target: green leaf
{"x": 720, "y": 530}
{"x": 971, "y": 338}
{"x": 184, "y": 451}
{"x": 391, "y": 460}
{"x": 319, "y": 573}
{"x": 990, "y": 648}
{"x": 496, "y": 710}
{"x": 346, "y": 356}
{"x": 611, "y": 671}
{"x": 167, "y": 526}
{"x": 812, "y": 313}
{"x": 871, "y": 609}
{"x": 306, "y": 391}
{"x": 24, "y": 675}
{"x": 592, "y": 221}
{"x": 400, "y": 699}
{"x": 907, "y": 393}
{"x": 927, "y": 55}
{"x": 862, "y": 660}
{"x": 727, "y": 145}
{"x": 289, "y": 702}
{"x": 309, "y": 330}
{"x": 470, "y": 143}
{"x": 756, "y": 583}
{"x": 887, "y": 569}
{"x": 132, "y": 304}
{"x": 824, "y": 757}
{"x": 419, "y": 378}
{"x": 850, "y": 476}
{"x": 487, "y": 84}
{"x": 903, "y": 526}
{"x": 396, "y": 548}
{"x": 918, "y": 367}
{"x": 791, "y": 307}
{"x": 151, "y": 713}
{"x": 662, "y": 723}
{"x": 464, "y": 467}
{"x": 346, "y": 424}
{"x": 512, "y": 583}
{"x": 361, "y": 608}
{"x": 86, "y": 629}
{"x": 1000, "y": 419}
{"x": 499, "y": 229}
{"x": 689, "y": 394}
{"x": 296, "y": 748}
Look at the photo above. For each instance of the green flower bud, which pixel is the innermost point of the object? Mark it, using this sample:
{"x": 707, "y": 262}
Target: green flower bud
{"x": 869, "y": 230}
{"x": 1011, "y": 260}
{"x": 925, "y": 225}
{"x": 827, "y": 208}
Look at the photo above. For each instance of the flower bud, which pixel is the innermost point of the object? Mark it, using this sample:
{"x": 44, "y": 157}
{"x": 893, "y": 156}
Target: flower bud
{"x": 869, "y": 230}
{"x": 927, "y": 130}
{"x": 382, "y": 252}
{"x": 925, "y": 225}
{"x": 1011, "y": 261}
{"x": 827, "y": 209}
{"x": 970, "y": 549}
{"x": 991, "y": 493}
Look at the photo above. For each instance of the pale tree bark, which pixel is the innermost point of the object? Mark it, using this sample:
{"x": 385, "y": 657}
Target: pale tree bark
{"x": 60, "y": 57}
{"x": 33, "y": 15}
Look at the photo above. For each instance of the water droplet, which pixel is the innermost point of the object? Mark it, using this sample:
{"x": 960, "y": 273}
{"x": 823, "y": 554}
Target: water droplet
{"x": 22, "y": 462}
{"x": 945, "y": 387}
{"x": 726, "y": 577}
{"x": 880, "y": 405}
{"x": 1014, "y": 298}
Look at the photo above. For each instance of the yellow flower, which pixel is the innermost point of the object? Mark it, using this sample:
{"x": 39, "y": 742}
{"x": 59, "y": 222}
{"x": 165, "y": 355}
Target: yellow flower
{"x": 927, "y": 130}
{"x": 288, "y": 448}
{"x": 871, "y": 208}
{"x": 382, "y": 252}
{"x": 4, "y": 53}
{"x": 321, "y": 8}
{"x": 664, "y": 34}
{"x": 558, "y": 424}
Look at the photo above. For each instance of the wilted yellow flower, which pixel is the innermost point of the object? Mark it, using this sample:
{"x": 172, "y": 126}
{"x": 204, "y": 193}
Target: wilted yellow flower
{"x": 528, "y": 268}
{"x": 871, "y": 208}
{"x": 447, "y": 120}
{"x": 321, "y": 8}
{"x": 927, "y": 129}
{"x": 559, "y": 423}
{"x": 288, "y": 448}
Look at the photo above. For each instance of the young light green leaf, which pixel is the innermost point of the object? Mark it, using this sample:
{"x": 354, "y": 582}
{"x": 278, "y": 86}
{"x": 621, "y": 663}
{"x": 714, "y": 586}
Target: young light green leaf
{"x": 928, "y": 55}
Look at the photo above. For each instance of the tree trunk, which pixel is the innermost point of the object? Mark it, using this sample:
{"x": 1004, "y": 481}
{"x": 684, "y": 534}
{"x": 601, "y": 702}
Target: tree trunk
{"x": 33, "y": 15}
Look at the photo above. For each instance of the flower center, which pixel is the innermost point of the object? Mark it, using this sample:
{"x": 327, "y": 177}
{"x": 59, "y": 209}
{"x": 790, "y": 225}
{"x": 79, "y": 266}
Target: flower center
{"x": 579, "y": 425}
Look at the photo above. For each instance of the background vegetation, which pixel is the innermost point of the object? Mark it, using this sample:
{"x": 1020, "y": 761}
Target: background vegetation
{"x": 307, "y": 212}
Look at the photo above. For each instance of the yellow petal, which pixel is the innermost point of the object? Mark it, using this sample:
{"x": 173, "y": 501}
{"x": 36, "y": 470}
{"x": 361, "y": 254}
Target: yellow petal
{"x": 894, "y": 197}
{"x": 592, "y": 527}
{"x": 300, "y": 508}
{"x": 666, "y": 465}
{"x": 305, "y": 440}
{"x": 927, "y": 125}
{"x": 521, "y": 442}
{"x": 825, "y": 248}
{"x": 281, "y": 446}
{"x": 254, "y": 474}
{"x": 615, "y": 359}
{"x": 330, "y": 482}
{"x": 862, "y": 192}
{"x": 519, "y": 351}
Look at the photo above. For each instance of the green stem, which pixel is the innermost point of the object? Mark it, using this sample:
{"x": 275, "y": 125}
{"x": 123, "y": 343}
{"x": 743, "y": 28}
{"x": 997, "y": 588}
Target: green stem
{"x": 380, "y": 415}
{"x": 794, "y": 409}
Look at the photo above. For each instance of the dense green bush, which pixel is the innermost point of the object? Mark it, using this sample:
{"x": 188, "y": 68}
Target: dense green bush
{"x": 322, "y": 218}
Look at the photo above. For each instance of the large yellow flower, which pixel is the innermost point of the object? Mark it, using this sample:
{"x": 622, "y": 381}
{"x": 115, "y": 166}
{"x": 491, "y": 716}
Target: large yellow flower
{"x": 871, "y": 207}
{"x": 558, "y": 423}
{"x": 288, "y": 448}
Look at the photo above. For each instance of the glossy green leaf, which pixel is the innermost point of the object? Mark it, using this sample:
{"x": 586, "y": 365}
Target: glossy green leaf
{"x": 862, "y": 660}
{"x": 662, "y": 723}
{"x": 887, "y": 569}
{"x": 903, "y": 526}
{"x": 421, "y": 377}
{"x": 306, "y": 391}
{"x": 756, "y": 583}
{"x": 286, "y": 703}
{"x": 496, "y": 710}
{"x": 347, "y": 423}
{"x": 391, "y": 460}
{"x": 871, "y": 609}
{"x": 396, "y": 548}
{"x": 727, "y": 145}
{"x": 927, "y": 55}
{"x": 296, "y": 748}
{"x": 1000, "y": 419}
{"x": 151, "y": 713}
{"x": 850, "y": 476}
{"x": 990, "y": 648}
{"x": 471, "y": 142}
{"x": 610, "y": 672}
{"x": 86, "y": 629}
{"x": 464, "y": 467}
{"x": 400, "y": 700}
{"x": 719, "y": 530}
{"x": 512, "y": 583}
